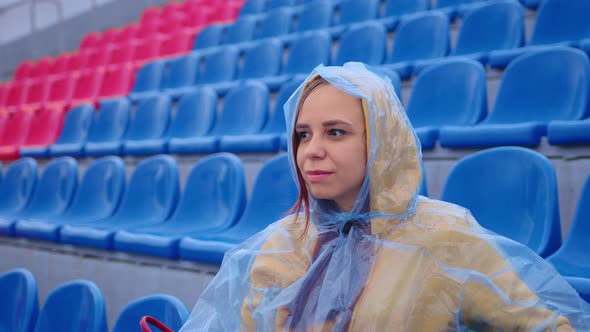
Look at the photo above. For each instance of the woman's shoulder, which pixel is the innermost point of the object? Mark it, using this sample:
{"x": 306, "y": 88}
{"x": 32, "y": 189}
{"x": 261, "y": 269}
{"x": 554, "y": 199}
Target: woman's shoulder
{"x": 443, "y": 215}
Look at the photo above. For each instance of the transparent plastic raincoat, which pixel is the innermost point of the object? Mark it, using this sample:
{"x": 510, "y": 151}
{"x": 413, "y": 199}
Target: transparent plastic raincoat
{"x": 396, "y": 262}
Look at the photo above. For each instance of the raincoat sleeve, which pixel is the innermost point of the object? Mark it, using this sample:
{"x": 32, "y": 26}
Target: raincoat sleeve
{"x": 494, "y": 292}
{"x": 282, "y": 260}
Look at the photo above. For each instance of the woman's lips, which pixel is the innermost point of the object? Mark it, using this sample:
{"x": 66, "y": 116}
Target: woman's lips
{"x": 317, "y": 176}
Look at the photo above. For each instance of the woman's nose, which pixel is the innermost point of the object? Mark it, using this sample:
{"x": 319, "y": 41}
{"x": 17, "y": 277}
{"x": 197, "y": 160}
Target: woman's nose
{"x": 315, "y": 148}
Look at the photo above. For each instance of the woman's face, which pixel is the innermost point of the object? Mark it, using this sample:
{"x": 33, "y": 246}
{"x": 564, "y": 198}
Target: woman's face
{"x": 332, "y": 154}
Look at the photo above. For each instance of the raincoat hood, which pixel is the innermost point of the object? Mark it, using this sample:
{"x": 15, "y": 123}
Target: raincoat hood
{"x": 394, "y": 162}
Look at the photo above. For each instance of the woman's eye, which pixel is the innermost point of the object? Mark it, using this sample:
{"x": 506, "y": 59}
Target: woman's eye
{"x": 303, "y": 134}
{"x": 336, "y": 132}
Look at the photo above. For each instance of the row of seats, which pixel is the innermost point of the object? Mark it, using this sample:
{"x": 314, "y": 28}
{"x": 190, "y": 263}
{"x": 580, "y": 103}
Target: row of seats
{"x": 453, "y": 113}
{"x": 149, "y": 216}
{"x": 76, "y": 305}
{"x": 66, "y": 90}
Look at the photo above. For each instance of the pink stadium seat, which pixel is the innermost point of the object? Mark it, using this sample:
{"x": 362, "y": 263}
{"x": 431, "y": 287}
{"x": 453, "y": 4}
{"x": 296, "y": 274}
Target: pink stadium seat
{"x": 40, "y": 68}
{"x": 16, "y": 127}
{"x": 127, "y": 34}
{"x": 89, "y": 41}
{"x": 122, "y": 54}
{"x": 150, "y": 14}
{"x": 172, "y": 7}
{"x": 22, "y": 70}
{"x": 59, "y": 64}
{"x": 16, "y": 93}
{"x": 77, "y": 62}
{"x": 197, "y": 19}
{"x": 146, "y": 50}
{"x": 98, "y": 57}
{"x": 148, "y": 30}
{"x": 116, "y": 82}
{"x": 86, "y": 87}
{"x": 36, "y": 95}
{"x": 60, "y": 91}
{"x": 44, "y": 128}
{"x": 179, "y": 43}
{"x": 3, "y": 88}
{"x": 108, "y": 37}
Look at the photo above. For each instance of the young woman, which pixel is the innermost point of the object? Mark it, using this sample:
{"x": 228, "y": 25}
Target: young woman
{"x": 362, "y": 251}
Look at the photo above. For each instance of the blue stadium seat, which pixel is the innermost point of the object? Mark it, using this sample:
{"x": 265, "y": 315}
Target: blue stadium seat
{"x": 276, "y": 23}
{"x": 364, "y": 42}
{"x": 241, "y": 30}
{"x": 195, "y": 116}
{"x": 180, "y": 75}
{"x": 431, "y": 29}
{"x": 572, "y": 258}
{"x": 585, "y": 45}
{"x": 210, "y": 36}
{"x": 16, "y": 191}
{"x": 526, "y": 193}
{"x": 262, "y": 61}
{"x": 305, "y": 53}
{"x": 532, "y": 4}
{"x": 557, "y": 22}
{"x": 492, "y": 26}
{"x": 272, "y": 4}
{"x": 568, "y": 132}
{"x": 97, "y": 198}
{"x": 74, "y": 306}
{"x": 150, "y": 198}
{"x": 251, "y": 96}
{"x": 52, "y": 195}
{"x": 219, "y": 69}
{"x": 528, "y": 99}
{"x": 77, "y": 124}
{"x": 396, "y": 8}
{"x": 252, "y": 7}
{"x": 436, "y": 101}
{"x": 315, "y": 15}
{"x": 273, "y": 136}
{"x": 263, "y": 208}
{"x": 18, "y": 300}
{"x": 213, "y": 200}
{"x": 145, "y": 135}
{"x": 108, "y": 128}
{"x": 355, "y": 11}
{"x": 147, "y": 80}
{"x": 581, "y": 285}
{"x": 166, "y": 308}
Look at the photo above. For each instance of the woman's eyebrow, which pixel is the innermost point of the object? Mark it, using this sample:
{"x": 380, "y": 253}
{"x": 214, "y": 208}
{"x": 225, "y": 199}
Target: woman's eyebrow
{"x": 330, "y": 123}
{"x": 301, "y": 126}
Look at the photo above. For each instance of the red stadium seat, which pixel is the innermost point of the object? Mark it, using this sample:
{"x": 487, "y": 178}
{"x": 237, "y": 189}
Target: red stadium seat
{"x": 116, "y": 82}
{"x": 86, "y": 87}
{"x": 59, "y": 64}
{"x": 23, "y": 70}
{"x": 40, "y": 68}
{"x": 146, "y": 50}
{"x": 44, "y": 128}
{"x": 122, "y": 54}
{"x": 16, "y": 93}
{"x": 36, "y": 95}
{"x": 127, "y": 34}
{"x": 89, "y": 41}
{"x": 16, "y": 127}
{"x": 176, "y": 44}
{"x": 98, "y": 57}
{"x": 60, "y": 91}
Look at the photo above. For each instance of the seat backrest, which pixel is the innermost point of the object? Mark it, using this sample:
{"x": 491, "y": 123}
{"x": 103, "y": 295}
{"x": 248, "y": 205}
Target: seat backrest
{"x": 100, "y": 189}
{"x": 149, "y": 77}
{"x": 404, "y": 7}
{"x": 219, "y": 66}
{"x": 110, "y": 122}
{"x": 45, "y": 126}
{"x": 40, "y": 67}
{"x": 276, "y": 124}
{"x": 559, "y": 21}
{"x": 22, "y": 71}
{"x": 575, "y": 247}
{"x": 277, "y": 22}
{"x": 273, "y": 194}
{"x": 195, "y": 114}
{"x": 234, "y": 120}
{"x": 89, "y": 40}
{"x": 117, "y": 81}
{"x": 215, "y": 193}
{"x": 208, "y": 37}
{"x": 430, "y": 28}
{"x": 16, "y": 93}
{"x": 55, "y": 188}
{"x": 252, "y": 7}
{"x": 151, "y": 193}
{"x": 527, "y": 91}
{"x": 315, "y": 15}
{"x": 436, "y": 101}
{"x": 16, "y": 128}
{"x": 308, "y": 51}
{"x": 122, "y": 54}
{"x": 150, "y": 118}
{"x": 87, "y": 84}
{"x": 511, "y": 191}
{"x": 493, "y": 26}
{"x": 271, "y": 4}
{"x": 37, "y": 91}
{"x": 18, "y": 300}
{"x": 74, "y": 306}
{"x": 76, "y": 124}
{"x": 18, "y": 185}
{"x": 352, "y": 11}
{"x": 240, "y": 30}
{"x": 363, "y": 43}
{"x": 180, "y": 72}
{"x": 61, "y": 88}
{"x": 261, "y": 60}
{"x": 166, "y": 308}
